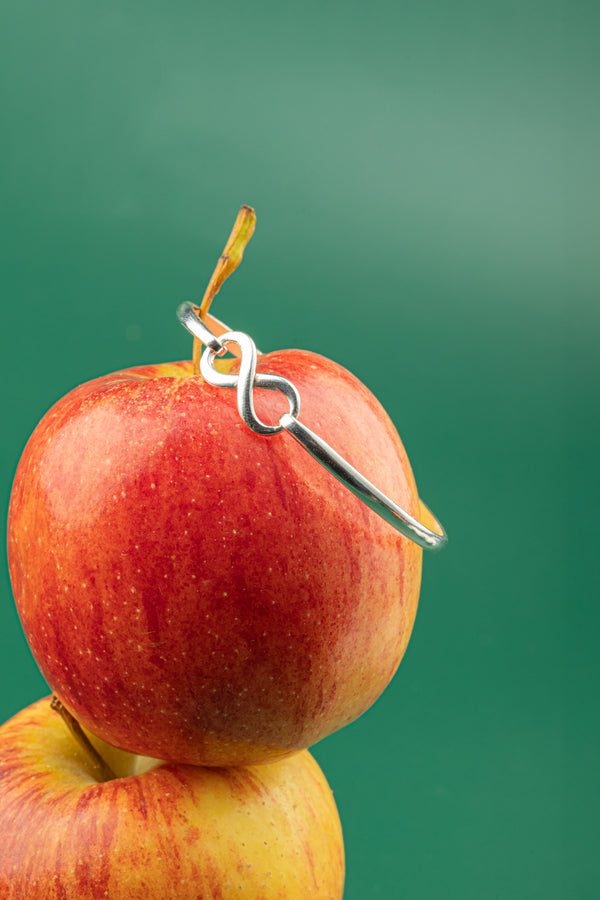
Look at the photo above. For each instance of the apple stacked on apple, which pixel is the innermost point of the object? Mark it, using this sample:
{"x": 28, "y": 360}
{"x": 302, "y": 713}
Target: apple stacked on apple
{"x": 205, "y": 605}
{"x": 196, "y": 592}
{"x": 158, "y": 830}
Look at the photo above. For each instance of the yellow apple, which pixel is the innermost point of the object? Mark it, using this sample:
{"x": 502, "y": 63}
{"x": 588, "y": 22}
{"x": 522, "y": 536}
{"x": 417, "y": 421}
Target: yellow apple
{"x": 158, "y": 831}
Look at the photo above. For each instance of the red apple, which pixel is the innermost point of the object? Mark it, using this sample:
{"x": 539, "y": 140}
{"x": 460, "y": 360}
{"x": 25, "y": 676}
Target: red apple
{"x": 160, "y": 830}
{"x": 197, "y": 592}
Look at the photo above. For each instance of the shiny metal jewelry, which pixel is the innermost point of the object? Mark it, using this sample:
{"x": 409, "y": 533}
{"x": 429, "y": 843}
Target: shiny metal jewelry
{"x": 247, "y": 379}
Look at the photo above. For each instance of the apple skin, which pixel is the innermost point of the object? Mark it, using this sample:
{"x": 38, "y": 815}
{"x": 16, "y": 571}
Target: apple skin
{"x": 173, "y": 830}
{"x": 196, "y": 592}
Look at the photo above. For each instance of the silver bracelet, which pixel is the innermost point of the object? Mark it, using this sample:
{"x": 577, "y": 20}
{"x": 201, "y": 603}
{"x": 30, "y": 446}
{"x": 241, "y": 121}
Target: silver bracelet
{"x": 247, "y": 379}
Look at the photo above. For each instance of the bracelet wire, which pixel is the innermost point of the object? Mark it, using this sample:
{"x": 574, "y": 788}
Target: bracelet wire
{"x": 247, "y": 379}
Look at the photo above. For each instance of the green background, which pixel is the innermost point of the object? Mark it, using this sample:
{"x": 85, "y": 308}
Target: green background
{"x": 426, "y": 191}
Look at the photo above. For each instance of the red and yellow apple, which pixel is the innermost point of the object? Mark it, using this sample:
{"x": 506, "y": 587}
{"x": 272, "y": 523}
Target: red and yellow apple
{"x": 196, "y": 592}
{"x": 159, "y": 830}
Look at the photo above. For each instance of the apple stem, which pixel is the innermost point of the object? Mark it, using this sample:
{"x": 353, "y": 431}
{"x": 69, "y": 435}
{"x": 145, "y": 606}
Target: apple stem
{"x": 229, "y": 260}
{"x": 100, "y": 766}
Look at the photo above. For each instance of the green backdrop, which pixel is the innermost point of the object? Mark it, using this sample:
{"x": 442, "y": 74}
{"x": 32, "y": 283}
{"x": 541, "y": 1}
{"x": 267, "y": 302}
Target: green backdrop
{"x": 426, "y": 196}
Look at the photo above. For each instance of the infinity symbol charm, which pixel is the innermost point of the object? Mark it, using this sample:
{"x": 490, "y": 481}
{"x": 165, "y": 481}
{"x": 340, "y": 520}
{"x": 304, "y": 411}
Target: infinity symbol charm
{"x": 247, "y": 380}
